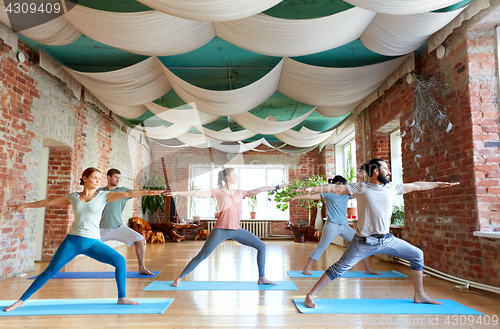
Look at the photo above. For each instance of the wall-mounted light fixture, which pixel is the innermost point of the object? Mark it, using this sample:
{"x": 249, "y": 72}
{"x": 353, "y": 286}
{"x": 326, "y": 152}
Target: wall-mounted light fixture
{"x": 441, "y": 51}
{"x": 21, "y": 57}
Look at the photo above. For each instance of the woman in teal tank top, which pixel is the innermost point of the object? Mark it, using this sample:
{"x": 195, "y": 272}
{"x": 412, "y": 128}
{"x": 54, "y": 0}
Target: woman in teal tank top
{"x": 84, "y": 235}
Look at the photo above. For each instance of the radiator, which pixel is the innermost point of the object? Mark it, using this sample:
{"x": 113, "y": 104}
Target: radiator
{"x": 258, "y": 227}
{"x": 386, "y": 258}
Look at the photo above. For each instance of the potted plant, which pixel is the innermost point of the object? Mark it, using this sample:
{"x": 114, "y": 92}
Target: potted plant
{"x": 282, "y": 196}
{"x": 252, "y": 203}
{"x": 398, "y": 215}
{"x": 153, "y": 203}
{"x": 350, "y": 176}
{"x": 193, "y": 203}
{"x": 216, "y": 208}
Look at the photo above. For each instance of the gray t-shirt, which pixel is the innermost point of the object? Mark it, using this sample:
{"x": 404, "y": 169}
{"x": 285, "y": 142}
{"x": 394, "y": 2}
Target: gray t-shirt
{"x": 336, "y": 207}
{"x": 374, "y": 206}
{"x": 112, "y": 213}
{"x": 87, "y": 214}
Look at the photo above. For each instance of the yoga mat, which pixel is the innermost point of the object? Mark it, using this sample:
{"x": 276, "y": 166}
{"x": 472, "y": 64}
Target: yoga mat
{"x": 220, "y": 285}
{"x": 86, "y": 306}
{"x": 350, "y": 274}
{"x": 97, "y": 275}
{"x": 382, "y": 306}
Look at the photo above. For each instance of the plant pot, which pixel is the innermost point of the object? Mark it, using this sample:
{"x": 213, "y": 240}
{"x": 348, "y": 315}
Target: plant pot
{"x": 196, "y": 219}
{"x": 299, "y": 237}
{"x": 309, "y": 235}
{"x": 352, "y": 212}
{"x": 253, "y": 214}
{"x": 216, "y": 214}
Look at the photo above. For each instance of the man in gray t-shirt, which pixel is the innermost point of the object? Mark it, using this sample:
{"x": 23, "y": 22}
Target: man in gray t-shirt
{"x": 112, "y": 227}
{"x": 375, "y": 199}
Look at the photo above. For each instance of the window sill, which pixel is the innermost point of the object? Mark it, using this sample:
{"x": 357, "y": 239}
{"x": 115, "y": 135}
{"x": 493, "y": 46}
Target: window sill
{"x": 494, "y": 235}
{"x": 396, "y": 226}
{"x": 248, "y": 219}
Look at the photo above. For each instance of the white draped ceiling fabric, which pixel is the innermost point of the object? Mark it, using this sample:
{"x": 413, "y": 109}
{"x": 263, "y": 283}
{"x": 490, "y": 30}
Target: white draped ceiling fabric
{"x": 174, "y": 27}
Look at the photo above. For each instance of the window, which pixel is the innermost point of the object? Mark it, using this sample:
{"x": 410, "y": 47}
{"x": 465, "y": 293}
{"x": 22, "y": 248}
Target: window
{"x": 396, "y": 164}
{"x": 249, "y": 177}
{"x": 345, "y": 158}
{"x": 345, "y": 162}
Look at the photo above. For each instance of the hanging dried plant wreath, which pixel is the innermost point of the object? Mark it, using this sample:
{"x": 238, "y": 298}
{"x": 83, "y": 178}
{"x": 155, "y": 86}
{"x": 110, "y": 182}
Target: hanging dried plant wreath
{"x": 427, "y": 118}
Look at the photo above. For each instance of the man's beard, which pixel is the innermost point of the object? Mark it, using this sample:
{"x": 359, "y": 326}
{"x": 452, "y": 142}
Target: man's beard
{"x": 383, "y": 179}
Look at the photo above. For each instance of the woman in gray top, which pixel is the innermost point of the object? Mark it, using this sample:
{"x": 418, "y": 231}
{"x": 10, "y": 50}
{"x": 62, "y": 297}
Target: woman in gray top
{"x": 84, "y": 235}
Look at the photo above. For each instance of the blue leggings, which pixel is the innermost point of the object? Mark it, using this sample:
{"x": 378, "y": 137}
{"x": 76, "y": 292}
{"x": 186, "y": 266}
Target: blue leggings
{"x": 73, "y": 246}
{"x": 217, "y": 236}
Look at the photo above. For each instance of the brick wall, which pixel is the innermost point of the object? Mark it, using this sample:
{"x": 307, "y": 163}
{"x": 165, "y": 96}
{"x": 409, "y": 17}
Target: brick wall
{"x": 442, "y": 222}
{"x": 37, "y": 111}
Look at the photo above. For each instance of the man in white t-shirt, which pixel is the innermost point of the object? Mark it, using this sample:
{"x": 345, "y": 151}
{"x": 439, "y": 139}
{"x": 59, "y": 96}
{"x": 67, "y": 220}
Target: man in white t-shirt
{"x": 112, "y": 227}
{"x": 375, "y": 199}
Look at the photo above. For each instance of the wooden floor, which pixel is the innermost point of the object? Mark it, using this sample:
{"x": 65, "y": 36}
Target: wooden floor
{"x": 237, "y": 309}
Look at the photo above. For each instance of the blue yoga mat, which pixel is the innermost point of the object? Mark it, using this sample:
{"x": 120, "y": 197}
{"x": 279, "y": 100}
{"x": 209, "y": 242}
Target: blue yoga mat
{"x": 220, "y": 285}
{"x": 350, "y": 274}
{"x": 382, "y": 306}
{"x": 85, "y": 306}
{"x": 97, "y": 275}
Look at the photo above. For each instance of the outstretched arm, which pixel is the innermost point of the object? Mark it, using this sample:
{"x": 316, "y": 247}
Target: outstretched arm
{"x": 115, "y": 196}
{"x": 329, "y": 188}
{"x": 200, "y": 194}
{"x": 265, "y": 189}
{"x": 422, "y": 186}
{"x": 54, "y": 202}
{"x": 316, "y": 196}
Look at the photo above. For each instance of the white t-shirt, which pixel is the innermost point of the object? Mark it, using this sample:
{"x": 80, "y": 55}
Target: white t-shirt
{"x": 87, "y": 214}
{"x": 374, "y": 206}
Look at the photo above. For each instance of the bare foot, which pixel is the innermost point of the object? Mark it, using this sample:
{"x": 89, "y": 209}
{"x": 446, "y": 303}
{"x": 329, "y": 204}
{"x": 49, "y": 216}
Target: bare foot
{"x": 309, "y": 301}
{"x": 424, "y": 299}
{"x": 372, "y": 272}
{"x": 176, "y": 282}
{"x": 126, "y": 301}
{"x": 17, "y": 304}
{"x": 263, "y": 280}
{"x": 145, "y": 271}
{"x": 306, "y": 272}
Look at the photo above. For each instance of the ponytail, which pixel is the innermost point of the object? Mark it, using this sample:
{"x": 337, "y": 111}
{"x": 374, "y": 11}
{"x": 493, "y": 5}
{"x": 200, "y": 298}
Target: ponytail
{"x": 222, "y": 176}
{"x": 337, "y": 179}
{"x": 86, "y": 173}
{"x": 370, "y": 166}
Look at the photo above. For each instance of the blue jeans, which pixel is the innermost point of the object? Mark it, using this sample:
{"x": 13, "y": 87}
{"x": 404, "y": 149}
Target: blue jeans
{"x": 330, "y": 231}
{"x": 73, "y": 246}
{"x": 361, "y": 247}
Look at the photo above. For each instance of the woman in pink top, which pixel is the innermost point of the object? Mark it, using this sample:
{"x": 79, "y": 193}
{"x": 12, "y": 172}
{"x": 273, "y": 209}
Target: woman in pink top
{"x": 228, "y": 223}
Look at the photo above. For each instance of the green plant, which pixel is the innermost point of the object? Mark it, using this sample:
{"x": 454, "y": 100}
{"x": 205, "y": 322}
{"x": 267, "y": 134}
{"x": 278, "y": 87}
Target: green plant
{"x": 213, "y": 201}
{"x": 252, "y": 202}
{"x": 192, "y": 201}
{"x": 349, "y": 172}
{"x": 398, "y": 215}
{"x": 282, "y": 196}
{"x": 153, "y": 203}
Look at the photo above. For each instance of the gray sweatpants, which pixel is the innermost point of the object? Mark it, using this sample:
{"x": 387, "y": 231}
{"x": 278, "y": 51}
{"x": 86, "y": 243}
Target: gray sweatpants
{"x": 360, "y": 248}
{"x": 330, "y": 231}
{"x": 219, "y": 235}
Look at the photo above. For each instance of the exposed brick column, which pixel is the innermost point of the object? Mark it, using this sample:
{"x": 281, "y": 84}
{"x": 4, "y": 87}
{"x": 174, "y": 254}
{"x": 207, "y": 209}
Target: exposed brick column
{"x": 483, "y": 84}
{"x": 57, "y": 219}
